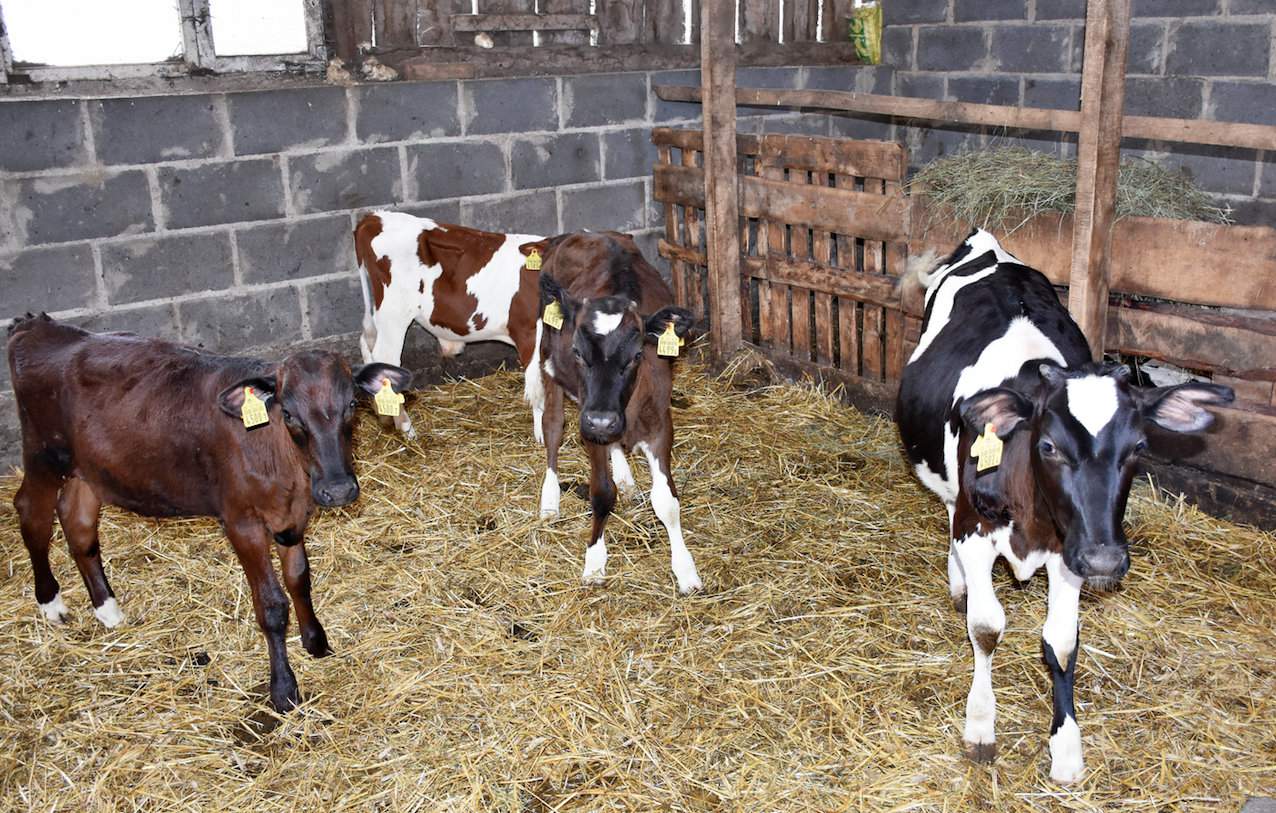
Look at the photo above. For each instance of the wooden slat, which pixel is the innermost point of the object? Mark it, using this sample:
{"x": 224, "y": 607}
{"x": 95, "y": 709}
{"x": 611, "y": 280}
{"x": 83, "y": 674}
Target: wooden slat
{"x": 1192, "y": 131}
{"x": 621, "y": 21}
{"x": 801, "y": 315}
{"x": 1247, "y": 391}
{"x": 835, "y": 25}
{"x": 894, "y": 352}
{"x": 778, "y": 311}
{"x": 849, "y": 334}
{"x": 877, "y": 217}
{"x": 506, "y": 38}
{"x": 568, "y": 7}
{"x": 1197, "y": 339}
{"x": 878, "y": 159}
{"x": 825, "y": 327}
{"x": 395, "y": 22}
{"x": 434, "y": 25}
{"x": 1240, "y": 445}
{"x": 693, "y": 240}
{"x": 664, "y": 22}
{"x": 664, "y": 154}
{"x": 717, "y": 75}
{"x": 801, "y": 20}
{"x": 758, "y": 20}
{"x": 351, "y": 25}
{"x": 871, "y": 352}
{"x": 526, "y": 22}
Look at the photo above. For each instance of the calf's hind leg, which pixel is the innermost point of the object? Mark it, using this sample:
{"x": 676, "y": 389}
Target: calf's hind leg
{"x": 35, "y": 503}
{"x": 79, "y": 510}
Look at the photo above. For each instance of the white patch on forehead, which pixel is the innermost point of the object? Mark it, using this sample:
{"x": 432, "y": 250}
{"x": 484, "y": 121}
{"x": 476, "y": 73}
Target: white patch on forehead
{"x": 1092, "y": 400}
{"x": 605, "y": 323}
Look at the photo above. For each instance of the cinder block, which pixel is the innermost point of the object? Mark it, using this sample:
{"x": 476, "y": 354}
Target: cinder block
{"x": 1252, "y": 102}
{"x": 628, "y": 153}
{"x": 41, "y": 135}
{"x": 509, "y": 105}
{"x": 928, "y": 144}
{"x": 920, "y": 86}
{"x": 1060, "y": 9}
{"x": 1031, "y": 48}
{"x": 649, "y": 244}
{"x": 1267, "y": 180}
{"x": 222, "y": 192}
{"x": 329, "y": 181}
{"x": 861, "y": 79}
{"x": 147, "y": 129}
{"x": 1224, "y": 170}
{"x": 1250, "y": 7}
{"x": 604, "y": 98}
{"x": 156, "y": 321}
{"x": 295, "y": 249}
{"x": 1145, "y": 48}
{"x": 969, "y": 10}
{"x": 950, "y": 48}
{"x": 1212, "y": 48}
{"x": 455, "y": 169}
{"x": 1170, "y": 97}
{"x": 159, "y": 267}
{"x": 233, "y": 324}
{"x": 879, "y": 128}
{"x": 1254, "y": 212}
{"x": 10, "y": 433}
{"x": 1055, "y": 94}
{"x": 555, "y": 160}
{"x": 783, "y": 78}
{"x": 531, "y": 213}
{"x": 815, "y": 124}
{"x": 676, "y": 111}
{"x": 62, "y": 208}
{"x": 279, "y": 120}
{"x": 897, "y": 47}
{"x": 335, "y": 307}
{"x": 984, "y": 89}
{"x": 448, "y": 211}
{"x": 50, "y": 279}
{"x": 406, "y": 111}
{"x": 618, "y": 207}
{"x": 905, "y": 12}
{"x": 1177, "y": 8}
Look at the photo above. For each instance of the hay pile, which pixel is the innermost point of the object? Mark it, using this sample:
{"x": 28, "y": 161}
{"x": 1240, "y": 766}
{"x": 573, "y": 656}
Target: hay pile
{"x": 823, "y": 669}
{"x": 1003, "y": 188}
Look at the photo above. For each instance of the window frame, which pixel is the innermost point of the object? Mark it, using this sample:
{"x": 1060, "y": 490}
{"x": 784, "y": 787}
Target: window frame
{"x": 199, "y": 55}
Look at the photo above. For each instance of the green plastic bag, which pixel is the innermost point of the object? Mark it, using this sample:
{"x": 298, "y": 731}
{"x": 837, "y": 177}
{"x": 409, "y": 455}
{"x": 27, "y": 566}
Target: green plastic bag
{"x": 866, "y": 31}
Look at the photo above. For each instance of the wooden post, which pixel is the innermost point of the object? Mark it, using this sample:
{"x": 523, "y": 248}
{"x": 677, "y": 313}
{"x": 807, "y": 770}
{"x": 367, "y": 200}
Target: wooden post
{"x": 722, "y": 215}
{"x": 1107, "y": 35}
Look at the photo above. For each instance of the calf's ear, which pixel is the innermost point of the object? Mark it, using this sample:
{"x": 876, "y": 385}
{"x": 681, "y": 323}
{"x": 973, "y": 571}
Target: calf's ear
{"x": 1004, "y": 408}
{"x": 231, "y": 399}
{"x": 551, "y": 291}
{"x": 369, "y": 377}
{"x": 1182, "y": 408}
{"x": 680, "y": 318}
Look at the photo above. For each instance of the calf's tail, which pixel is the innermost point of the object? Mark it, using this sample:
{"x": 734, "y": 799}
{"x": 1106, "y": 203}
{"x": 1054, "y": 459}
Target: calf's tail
{"x": 368, "y": 338}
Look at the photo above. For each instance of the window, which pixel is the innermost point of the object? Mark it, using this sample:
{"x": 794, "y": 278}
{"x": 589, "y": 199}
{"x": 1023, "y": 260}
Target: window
{"x": 56, "y": 40}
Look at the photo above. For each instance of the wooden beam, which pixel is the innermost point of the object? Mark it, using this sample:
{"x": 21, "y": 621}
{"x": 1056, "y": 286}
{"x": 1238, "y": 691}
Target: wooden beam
{"x": 722, "y": 218}
{"x": 524, "y": 22}
{"x": 1098, "y": 162}
{"x": 1192, "y": 131}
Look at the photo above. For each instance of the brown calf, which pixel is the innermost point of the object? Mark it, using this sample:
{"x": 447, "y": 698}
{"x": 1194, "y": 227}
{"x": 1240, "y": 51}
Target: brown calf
{"x": 156, "y": 428}
{"x": 614, "y": 306}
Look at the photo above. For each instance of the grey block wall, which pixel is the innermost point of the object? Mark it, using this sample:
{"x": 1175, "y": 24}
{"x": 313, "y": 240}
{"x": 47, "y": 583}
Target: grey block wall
{"x": 1208, "y": 59}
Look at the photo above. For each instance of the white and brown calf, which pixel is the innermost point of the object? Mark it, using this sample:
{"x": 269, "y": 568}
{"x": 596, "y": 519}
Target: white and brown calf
{"x": 614, "y": 306}
{"x": 462, "y": 285}
{"x": 998, "y": 350}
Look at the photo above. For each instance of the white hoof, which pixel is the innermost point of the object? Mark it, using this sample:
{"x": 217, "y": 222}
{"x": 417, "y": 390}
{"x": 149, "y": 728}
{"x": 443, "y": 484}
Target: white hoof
{"x": 595, "y": 564}
{"x": 1066, "y": 764}
{"x": 55, "y": 611}
{"x": 692, "y": 585}
{"x": 409, "y": 431}
{"x": 538, "y": 431}
{"x": 550, "y": 495}
{"x": 109, "y": 614}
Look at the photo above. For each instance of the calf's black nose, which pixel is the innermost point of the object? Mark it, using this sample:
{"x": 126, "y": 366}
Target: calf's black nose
{"x": 602, "y": 425}
{"x": 337, "y": 493}
{"x": 1108, "y": 563}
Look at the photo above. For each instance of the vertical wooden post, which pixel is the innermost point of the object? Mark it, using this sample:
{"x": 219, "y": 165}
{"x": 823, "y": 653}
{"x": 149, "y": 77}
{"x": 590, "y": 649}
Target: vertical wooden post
{"x": 722, "y": 213}
{"x": 1107, "y": 35}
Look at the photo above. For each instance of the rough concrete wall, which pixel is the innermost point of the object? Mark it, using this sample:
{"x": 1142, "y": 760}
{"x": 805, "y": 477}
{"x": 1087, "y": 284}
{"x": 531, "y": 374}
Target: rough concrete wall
{"x": 1209, "y": 59}
{"x": 224, "y": 220}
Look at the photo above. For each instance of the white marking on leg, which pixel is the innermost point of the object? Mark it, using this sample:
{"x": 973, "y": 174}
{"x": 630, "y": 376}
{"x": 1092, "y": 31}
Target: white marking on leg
{"x": 1066, "y": 764}
{"x": 109, "y": 614}
{"x": 956, "y": 579}
{"x": 595, "y": 563}
{"x": 534, "y": 387}
{"x": 668, "y": 510}
{"x": 1092, "y": 401}
{"x": 620, "y": 471}
{"x": 55, "y": 609}
{"x": 605, "y": 323}
{"x": 984, "y": 617}
{"x": 550, "y": 494}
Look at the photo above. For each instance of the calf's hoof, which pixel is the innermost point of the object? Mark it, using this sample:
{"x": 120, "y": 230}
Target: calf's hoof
{"x": 109, "y": 613}
{"x": 316, "y": 643}
{"x": 285, "y": 698}
{"x": 690, "y": 587}
{"x": 54, "y": 610}
{"x": 981, "y": 752}
{"x": 1066, "y": 765}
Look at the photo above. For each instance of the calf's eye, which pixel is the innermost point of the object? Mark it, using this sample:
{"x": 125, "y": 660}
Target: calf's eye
{"x": 1046, "y": 447}
{"x": 1141, "y": 446}
{"x": 353, "y": 403}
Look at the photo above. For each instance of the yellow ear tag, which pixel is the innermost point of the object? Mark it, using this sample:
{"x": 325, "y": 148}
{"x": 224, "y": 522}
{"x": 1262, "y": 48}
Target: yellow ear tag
{"x": 389, "y": 402}
{"x": 987, "y": 449}
{"x": 553, "y": 315}
{"x": 669, "y": 342}
{"x": 254, "y": 410}
{"x": 533, "y": 261}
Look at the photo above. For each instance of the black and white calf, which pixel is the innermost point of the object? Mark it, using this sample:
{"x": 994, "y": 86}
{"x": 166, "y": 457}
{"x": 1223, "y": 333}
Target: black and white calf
{"x": 998, "y": 350}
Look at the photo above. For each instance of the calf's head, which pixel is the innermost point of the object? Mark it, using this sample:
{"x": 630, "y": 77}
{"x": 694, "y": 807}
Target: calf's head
{"x": 606, "y": 340}
{"x": 1084, "y": 429}
{"x": 313, "y": 395}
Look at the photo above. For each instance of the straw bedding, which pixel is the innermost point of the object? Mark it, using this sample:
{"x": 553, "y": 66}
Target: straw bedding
{"x": 823, "y": 668}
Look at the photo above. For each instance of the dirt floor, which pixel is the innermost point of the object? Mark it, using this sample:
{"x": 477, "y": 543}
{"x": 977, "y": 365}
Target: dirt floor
{"x": 822, "y": 669}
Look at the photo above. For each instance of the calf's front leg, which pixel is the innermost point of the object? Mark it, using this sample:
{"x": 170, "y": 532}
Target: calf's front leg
{"x": 251, "y": 541}
{"x": 296, "y": 567}
{"x": 985, "y": 623}
{"x": 552, "y": 424}
{"x": 664, "y": 499}
{"x": 602, "y": 499}
{"x": 1059, "y": 648}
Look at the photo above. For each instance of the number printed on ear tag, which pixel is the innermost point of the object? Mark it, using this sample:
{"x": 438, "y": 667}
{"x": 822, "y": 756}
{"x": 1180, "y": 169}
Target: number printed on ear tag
{"x": 253, "y": 411}
{"x": 389, "y": 402}
{"x": 987, "y": 449}
{"x": 669, "y": 342}
{"x": 553, "y": 315}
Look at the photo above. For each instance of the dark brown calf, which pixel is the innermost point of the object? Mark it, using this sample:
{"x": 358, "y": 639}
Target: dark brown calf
{"x": 614, "y": 306}
{"x": 156, "y": 428}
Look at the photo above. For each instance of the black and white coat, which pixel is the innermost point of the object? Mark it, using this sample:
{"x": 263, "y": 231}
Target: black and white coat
{"x": 998, "y": 348}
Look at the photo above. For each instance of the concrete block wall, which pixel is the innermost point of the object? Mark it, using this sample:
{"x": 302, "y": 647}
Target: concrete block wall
{"x": 1208, "y": 59}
